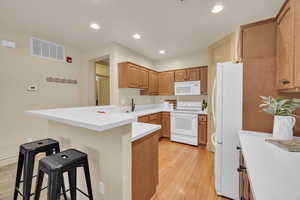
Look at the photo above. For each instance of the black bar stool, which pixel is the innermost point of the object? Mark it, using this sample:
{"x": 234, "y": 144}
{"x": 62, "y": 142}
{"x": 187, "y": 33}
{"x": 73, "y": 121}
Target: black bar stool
{"x": 55, "y": 165}
{"x": 26, "y": 160}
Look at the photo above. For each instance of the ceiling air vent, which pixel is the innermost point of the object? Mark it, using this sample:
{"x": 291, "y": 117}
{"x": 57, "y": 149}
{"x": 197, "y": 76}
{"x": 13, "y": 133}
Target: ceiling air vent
{"x": 46, "y": 49}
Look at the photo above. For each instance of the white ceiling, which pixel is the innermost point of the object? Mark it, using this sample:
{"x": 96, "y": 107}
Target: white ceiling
{"x": 179, "y": 28}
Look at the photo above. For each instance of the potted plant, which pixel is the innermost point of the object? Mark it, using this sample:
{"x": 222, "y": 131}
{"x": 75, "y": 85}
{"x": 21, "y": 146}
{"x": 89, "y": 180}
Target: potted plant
{"x": 284, "y": 120}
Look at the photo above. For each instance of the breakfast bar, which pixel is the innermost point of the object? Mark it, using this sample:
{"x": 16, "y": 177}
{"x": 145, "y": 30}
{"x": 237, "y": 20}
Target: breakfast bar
{"x": 107, "y": 136}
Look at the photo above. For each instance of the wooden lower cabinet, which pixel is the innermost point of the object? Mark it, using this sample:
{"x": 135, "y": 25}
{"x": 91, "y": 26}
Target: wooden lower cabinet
{"x": 202, "y": 129}
{"x": 155, "y": 118}
{"x": 245, "y": 187}
{"x": 145, "y": 167}
{"x": 166, "y": 124}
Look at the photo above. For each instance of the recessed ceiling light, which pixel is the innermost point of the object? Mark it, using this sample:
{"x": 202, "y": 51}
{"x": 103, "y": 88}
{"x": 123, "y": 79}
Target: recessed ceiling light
{"x": 162, "y": 51}
{"x": 136, "y": 36}
{"x": 95, "y": 26}
{"x": 217, "y": 8}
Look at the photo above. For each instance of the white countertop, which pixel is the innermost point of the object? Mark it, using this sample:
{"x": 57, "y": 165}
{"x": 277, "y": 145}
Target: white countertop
{"x": 274, "y": 173}
{"x": 140, "y": 130}
{"x": 114, "y": 116}
{"x": 86, "y": 117}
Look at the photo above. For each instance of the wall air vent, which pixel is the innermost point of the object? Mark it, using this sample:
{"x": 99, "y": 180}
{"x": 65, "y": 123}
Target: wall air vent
{"x": 46, "y": 49}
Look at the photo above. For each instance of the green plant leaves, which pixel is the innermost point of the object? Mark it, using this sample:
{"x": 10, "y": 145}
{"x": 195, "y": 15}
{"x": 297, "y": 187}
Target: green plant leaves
{"x": 279, "y": 106}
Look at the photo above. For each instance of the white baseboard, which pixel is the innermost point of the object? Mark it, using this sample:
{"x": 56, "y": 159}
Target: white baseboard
{"x": 8, "y": 161}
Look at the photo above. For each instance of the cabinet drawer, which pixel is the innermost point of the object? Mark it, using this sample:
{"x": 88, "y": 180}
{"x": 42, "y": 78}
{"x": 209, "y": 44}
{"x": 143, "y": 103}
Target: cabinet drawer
{"x": 202, "y": 118}
{"x": 155, "y": 116}
{"x": 144, "y": 119}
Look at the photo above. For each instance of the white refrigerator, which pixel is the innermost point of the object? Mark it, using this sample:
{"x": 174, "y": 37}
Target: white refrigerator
{"x": 227, "y": 116}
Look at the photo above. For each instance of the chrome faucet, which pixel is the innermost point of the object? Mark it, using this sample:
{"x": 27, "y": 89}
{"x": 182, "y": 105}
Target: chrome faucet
{"x": 132, "y": 105}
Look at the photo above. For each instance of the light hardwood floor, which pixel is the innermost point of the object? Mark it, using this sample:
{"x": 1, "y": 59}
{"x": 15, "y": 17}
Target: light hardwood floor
{"x": 185, "y": 173}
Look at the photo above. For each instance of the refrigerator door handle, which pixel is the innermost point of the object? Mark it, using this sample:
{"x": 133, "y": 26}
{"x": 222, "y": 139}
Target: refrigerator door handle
{"x": 214, "y": 102}
{"x": 213, "y": 140}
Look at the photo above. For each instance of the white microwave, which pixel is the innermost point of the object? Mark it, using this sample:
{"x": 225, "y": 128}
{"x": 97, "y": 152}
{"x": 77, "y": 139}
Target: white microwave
{"x": 187, "y": 88}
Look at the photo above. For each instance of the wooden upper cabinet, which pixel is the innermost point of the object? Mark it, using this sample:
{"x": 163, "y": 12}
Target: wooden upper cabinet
{"x": 153, "y": 84}
{"x": 143, "y": 78}
{"x": 285, "y": 46}
{"x": 180, "y": 75}
{"x": 297, "y": 43}
{"x": 166, "y": 83}
{"x": 132, "y": 76}
{"x": 204, "y": 79}
{"x": 193, "y": 74}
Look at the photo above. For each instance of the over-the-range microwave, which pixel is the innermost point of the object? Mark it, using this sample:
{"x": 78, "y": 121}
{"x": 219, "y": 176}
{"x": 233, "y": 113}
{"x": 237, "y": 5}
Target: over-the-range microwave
{"x": 187, "y": 88}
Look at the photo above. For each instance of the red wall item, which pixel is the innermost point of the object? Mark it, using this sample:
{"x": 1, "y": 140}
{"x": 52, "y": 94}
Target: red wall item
{"x": 69, "y": 59}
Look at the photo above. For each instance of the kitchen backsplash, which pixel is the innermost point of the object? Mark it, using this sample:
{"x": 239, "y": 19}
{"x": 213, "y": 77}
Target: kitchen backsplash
{"x": 160, "y": 99}
{"x": 126, "y": 94}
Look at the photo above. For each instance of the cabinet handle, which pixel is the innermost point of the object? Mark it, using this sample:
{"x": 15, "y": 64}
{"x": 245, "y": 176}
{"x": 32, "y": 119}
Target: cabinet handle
{"x": 240, "y": 169}
{"x": 285, "y": 81}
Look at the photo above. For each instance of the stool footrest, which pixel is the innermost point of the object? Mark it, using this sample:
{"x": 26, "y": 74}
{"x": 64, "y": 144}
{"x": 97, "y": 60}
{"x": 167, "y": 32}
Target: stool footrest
{"x": 22, "y": 181}
{"x": 83, "y": 192}
{"x": 20, "y": 193}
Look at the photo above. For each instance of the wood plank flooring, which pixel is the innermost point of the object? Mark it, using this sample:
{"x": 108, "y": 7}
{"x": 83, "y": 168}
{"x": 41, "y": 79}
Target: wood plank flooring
{"x": 185, "y": 173}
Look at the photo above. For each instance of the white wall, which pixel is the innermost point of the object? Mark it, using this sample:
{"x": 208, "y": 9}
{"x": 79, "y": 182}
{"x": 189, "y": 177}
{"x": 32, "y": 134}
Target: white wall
{"x": 18, "y": 70}
{"x": 195, "y": 59}
{"x": 117, "y": 54}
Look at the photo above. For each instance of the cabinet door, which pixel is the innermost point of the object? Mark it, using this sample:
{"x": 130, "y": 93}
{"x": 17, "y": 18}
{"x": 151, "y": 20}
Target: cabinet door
{"x": 166, "y": 83}
{"x": 193, "y": 74}
{"x": 297, "y": 43}
{"x": 153, "y": 83}
{"x": 204, "y": 79}
{"x": 144, "y": 167}
{"x": 285, "y": 47}
{"x": 144, "y": 119}
{"x": 166, "y": 124}
{"x": 202, "y": 132}
{"x": 180, "y": 75}
{"x": 143, "y": 78}
{"x": 133, "y": 74}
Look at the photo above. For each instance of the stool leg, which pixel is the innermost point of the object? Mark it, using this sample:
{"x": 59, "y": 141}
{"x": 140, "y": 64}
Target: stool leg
{"x": 28, "y": 173}
{"x": 54, "y": 185}
{"x": 72, "y": 173}
{"x": 88, "y": 179}
{"x": 19, "y": 174}
{"x": 39, "y": 183}
{"x": 57, "y": 150}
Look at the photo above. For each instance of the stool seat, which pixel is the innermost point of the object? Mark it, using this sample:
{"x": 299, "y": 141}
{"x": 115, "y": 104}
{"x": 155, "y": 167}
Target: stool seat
{"x": 55, "y": 166}
{"x": 63, "y": 160}
{"x": 26, "y": 162}
{"x": 39, "y": 145}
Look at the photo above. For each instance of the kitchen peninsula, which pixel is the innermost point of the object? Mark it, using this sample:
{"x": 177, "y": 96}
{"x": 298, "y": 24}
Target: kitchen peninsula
{"x": 109, "y": 135}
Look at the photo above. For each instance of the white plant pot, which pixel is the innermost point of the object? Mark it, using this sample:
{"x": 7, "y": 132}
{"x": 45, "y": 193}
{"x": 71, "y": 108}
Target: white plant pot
{"x": 283, "y": 127}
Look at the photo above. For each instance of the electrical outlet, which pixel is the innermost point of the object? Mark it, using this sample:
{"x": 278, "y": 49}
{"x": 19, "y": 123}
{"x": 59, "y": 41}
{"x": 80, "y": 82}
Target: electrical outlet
{"x": 101, "y": 187}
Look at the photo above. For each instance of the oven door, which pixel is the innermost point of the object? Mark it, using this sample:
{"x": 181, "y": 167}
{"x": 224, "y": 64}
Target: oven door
{"x": 184, "y": 124}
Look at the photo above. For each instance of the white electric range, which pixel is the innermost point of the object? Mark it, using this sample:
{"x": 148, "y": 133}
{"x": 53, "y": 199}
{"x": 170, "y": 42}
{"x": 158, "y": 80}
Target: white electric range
{"x": 184, "y": 122}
